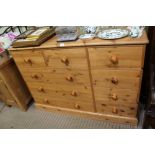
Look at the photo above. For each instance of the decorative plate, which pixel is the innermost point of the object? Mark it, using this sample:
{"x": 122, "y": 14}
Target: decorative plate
{"x": 87, "y": 36}
{"x": 113, "y": 34}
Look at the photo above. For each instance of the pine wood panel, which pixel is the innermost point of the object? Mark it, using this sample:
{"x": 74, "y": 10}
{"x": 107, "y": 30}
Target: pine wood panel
{"x": 70, "y": 104}
{"x": 62, "y": 92}
{"x": 13, "y": 86}
{"x": 128, "y": 110}
{"x": 120, "y": 78}
{"x": 106, "y": 107}
{"x": 6, "y": 96}
{"x": 116, "y": 57}
{"x": 29, "y": 58}
{"x": 123, "y": 95}
{"x": 57, "y": 76}
{"x": 66, "y": 58}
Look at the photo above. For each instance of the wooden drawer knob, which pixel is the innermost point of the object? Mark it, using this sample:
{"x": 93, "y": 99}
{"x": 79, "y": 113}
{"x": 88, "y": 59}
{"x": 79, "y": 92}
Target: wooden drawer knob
{"x": 46, "y": 101}
{"x": 114, "y": 97}
{"x": 69, "y": 78}
{"x": 114, "y": 80}
{"x": 114, "y": 110}
{"x": 65, "y": 60}
{"x": 74, "y": 93}
{"x": 114, "y": 59}
{"x": 41, "y": 89}
{"x": 28, "y": 60}
{"x": 77, "y": 106}
{"x": 35, "y": 76}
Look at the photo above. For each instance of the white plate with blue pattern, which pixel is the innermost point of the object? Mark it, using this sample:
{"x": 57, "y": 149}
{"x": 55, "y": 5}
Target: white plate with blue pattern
{"x": 113, "y": 33}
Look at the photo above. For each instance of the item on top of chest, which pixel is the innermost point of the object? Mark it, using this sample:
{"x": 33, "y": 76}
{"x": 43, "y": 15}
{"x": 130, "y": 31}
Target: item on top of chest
{"x": 67, "y": 37}
{"x": 87, "y": 36}
{"x": 66, "y": 33}
{"x": 35, "y": 38}
{"x": 136, "y": 31}
{"x": 113, "y": 33}
{"x": 65, "y": 30}
{"x": 87, "y": 32}
{"x": 25, "y": 34}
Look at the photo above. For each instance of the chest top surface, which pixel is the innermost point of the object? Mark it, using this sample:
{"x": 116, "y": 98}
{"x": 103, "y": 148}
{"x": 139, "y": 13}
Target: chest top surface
{"x": 52, "y": 43}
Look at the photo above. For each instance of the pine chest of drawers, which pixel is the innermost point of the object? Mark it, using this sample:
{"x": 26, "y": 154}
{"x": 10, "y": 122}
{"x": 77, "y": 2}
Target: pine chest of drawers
{"x": 96, "y": 78}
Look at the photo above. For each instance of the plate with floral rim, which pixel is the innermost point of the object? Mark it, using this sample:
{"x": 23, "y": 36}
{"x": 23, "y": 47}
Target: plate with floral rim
{"x": 113, "y": 34}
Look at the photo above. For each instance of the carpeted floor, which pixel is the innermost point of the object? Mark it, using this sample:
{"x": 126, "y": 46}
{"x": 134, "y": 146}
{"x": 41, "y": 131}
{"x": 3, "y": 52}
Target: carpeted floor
{"x": 40, "y": 119}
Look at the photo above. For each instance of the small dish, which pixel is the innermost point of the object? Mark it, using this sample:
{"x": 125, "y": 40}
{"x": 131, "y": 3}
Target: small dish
{"x": 113, "y": 33}
{"x": 87, "y": 36}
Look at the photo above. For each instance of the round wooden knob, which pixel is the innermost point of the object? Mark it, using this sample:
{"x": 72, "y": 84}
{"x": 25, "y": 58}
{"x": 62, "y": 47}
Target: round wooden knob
{"x": 28, "y": 60}
{"x": 41, "y": 89}
{"x": 65, "y": 60}
{"x": 74, "y": 93}
{"x": 77, "y": 106}
{"x": 35, "y": 76}
{"x": 69, "y": 78}
{"x": 114, "y": 97}
{"x": 46, "y": 101}
{"x": 114, "y": 59}
{"x": 114, "y": 110}
{"x": 114, "y": 80}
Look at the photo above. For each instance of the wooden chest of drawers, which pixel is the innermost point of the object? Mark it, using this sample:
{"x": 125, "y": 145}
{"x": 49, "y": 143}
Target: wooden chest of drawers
{"x": 97, "y": 78}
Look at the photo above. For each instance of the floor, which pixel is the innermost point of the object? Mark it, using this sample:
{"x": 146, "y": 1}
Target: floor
{"x": 11, "y": 117}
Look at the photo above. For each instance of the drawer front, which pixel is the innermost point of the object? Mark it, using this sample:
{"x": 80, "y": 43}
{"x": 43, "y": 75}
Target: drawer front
{"x": 106, "y": 107}
{"x": 29, "y": 59}
{"x": 114, "y": 95}
{"x": 118, "y": 78}
{"x": 128, "y": 110}
{"x": 57, "y": 76}
{"x": 66, "y": 58}
{"x": 79, "y": 106}
{"x": 116, "y": 57}
{"x": 78, "y": 97}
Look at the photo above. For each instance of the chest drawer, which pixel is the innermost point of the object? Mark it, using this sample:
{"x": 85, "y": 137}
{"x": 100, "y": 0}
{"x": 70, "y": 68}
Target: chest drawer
{"x": 57, "y": 76}
{"x": 117, "y": 78}
{"x": 111, "y": 108}
{"x": 114, "y": 95}
{"x": 66, "y": 58}
{"x": 29, "y": 59}
{"x": 116, "y": 57}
